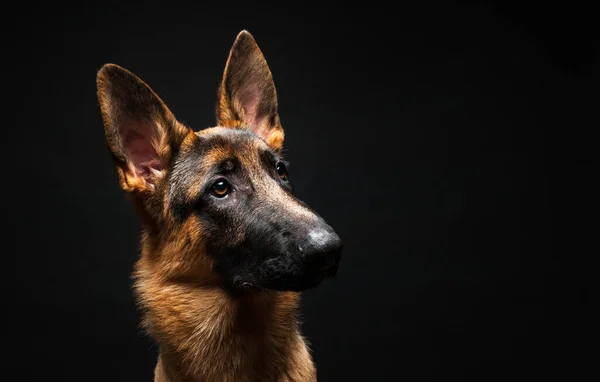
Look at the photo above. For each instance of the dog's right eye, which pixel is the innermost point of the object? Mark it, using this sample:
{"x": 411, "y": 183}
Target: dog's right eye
{"x": 220, "y": 189}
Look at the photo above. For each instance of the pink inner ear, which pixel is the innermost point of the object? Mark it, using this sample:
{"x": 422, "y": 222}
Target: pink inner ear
{"x": 137, "y": 141}
{"x": 250, "y": 100}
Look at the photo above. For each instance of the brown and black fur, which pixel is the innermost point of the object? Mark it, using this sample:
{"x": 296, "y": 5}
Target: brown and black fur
{"x": 226, "y": 247}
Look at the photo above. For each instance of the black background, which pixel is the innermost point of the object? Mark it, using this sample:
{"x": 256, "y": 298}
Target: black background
{"x": 444, "y": 143}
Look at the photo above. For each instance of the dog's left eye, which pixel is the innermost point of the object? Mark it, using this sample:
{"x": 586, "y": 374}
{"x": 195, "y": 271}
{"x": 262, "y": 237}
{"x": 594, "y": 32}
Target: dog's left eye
{"x": 220, "y": 189}
{"x": 282, "y": 171}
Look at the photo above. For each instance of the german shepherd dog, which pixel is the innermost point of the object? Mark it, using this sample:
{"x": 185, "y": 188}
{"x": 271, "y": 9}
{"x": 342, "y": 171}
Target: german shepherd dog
{"x": 225, "y": 246}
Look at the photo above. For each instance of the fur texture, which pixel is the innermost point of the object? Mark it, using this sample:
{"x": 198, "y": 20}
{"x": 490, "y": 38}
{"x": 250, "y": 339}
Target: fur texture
{"x": 226, "y": 247}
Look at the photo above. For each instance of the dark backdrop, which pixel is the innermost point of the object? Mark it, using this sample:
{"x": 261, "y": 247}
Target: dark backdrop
{"x": 444, "y": 143}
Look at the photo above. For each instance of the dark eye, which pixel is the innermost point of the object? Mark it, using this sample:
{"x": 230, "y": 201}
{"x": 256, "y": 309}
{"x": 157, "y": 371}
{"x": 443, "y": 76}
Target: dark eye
{"x": 220, "y": 189}
{"x": 282, "y": 171}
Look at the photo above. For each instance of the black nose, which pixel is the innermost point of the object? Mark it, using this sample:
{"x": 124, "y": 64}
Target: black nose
{"x": 322, "y": 250}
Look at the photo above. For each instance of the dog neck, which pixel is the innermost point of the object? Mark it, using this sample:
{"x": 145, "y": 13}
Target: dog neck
{"x": 204, "y": 333}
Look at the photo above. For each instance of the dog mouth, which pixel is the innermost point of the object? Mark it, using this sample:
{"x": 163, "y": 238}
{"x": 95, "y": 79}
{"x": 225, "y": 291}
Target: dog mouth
{"x": 297, "y": 284}
{"x": 277, "y": 274}
{"x": 301, "y": 276}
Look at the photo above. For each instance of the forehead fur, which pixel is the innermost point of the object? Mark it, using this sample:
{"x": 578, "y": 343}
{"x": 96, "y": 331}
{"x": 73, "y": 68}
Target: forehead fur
{"x": 202, "y": 152}
{"x": 218, "y": 144}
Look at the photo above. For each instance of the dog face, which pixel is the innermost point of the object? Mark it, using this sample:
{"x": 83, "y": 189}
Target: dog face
{"x": 217, "y": 204}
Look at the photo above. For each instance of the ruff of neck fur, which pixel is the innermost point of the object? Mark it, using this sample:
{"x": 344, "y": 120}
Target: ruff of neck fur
{"x": 204, "y": 333}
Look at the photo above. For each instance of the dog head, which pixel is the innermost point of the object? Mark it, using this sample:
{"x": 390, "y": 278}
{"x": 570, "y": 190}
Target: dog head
{"x": 217, "y": 205}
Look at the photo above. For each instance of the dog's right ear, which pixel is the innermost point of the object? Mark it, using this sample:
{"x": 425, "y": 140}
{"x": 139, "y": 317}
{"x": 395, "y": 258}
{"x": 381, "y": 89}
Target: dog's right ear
{"x": 141, "y": 131}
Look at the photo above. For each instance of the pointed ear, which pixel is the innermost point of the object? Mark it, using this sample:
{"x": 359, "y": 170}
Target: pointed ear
{"x": 141, "y": 131}
{"x": 247, "y": 96}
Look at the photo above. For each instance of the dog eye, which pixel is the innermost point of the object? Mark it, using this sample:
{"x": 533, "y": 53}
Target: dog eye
{"x": 282, "y": 171}
{"x": 220, "y": 189}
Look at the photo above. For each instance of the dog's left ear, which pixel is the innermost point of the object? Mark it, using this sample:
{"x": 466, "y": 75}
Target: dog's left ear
{"x": 247, "y": 96}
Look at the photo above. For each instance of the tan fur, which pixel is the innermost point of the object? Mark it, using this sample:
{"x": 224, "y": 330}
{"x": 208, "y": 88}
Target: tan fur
{"x": 203, "y": 333}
